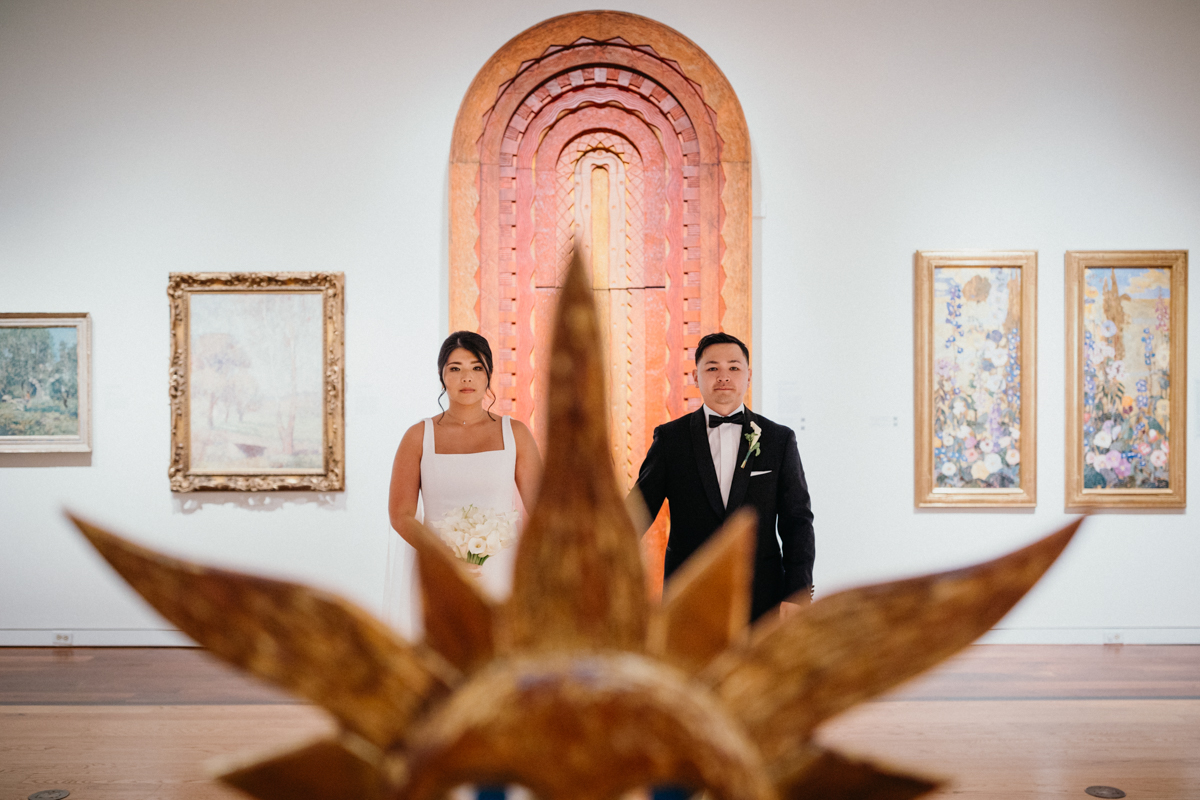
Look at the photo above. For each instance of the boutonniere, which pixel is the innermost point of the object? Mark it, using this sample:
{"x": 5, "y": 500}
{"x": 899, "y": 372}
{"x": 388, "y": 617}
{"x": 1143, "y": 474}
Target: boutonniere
{"x": 752, "y": 438}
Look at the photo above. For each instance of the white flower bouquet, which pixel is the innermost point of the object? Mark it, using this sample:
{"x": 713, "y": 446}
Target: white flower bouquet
{"x": 475, "y": 534}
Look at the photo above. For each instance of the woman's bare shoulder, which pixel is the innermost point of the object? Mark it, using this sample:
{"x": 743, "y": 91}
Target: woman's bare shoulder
{"x": 414, "y": 436}
{"x": 522, "y": 435}
{"x": 520, "y": 428}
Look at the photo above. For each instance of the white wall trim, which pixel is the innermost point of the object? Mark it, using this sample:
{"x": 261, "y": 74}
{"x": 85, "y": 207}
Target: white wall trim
{"x": 95, "y": 637}
{"x": 146, "y": 637}
{"x": 1092, "y": 636}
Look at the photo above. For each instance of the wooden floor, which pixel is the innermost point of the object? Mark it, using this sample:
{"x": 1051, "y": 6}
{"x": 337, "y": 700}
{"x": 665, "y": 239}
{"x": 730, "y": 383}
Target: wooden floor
{"x": 997, "y": 722}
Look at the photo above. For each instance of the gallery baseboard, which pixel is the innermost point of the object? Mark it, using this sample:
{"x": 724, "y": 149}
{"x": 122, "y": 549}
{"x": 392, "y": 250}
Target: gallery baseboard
{"x": 94, "y": 637}
{"x": 166, "y": 637}
{"x": 1091, "y": 636}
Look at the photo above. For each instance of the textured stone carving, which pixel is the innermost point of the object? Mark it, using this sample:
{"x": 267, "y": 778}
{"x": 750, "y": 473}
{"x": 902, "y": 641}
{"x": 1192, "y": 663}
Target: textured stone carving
{"x": 621, "y": 94}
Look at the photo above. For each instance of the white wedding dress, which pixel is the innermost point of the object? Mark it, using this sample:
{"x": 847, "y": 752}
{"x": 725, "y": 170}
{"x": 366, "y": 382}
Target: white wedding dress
{"x": 450, "y": 481}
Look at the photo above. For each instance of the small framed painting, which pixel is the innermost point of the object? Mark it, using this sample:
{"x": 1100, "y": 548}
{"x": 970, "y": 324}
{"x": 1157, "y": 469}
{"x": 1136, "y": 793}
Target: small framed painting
{"x": 1126, "y": 379}
{"x": 45, "y": 383}
{"x": 257, "y": 400}
{"x": 975, "y": 354}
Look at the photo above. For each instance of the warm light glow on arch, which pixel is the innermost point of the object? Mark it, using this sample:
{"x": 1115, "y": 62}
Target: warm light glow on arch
{"x": 614, "y": 134}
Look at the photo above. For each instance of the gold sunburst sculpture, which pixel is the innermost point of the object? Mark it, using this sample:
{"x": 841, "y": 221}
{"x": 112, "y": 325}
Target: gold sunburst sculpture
{"x": 576, "y": 687}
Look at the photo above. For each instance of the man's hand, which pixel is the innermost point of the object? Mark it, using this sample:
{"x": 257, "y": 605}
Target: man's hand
{"x": 787, "y": 609}
{"x": 635, "y": 506}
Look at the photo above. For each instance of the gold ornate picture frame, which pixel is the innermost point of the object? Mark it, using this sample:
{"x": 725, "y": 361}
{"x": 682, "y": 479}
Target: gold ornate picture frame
{"x": 257, "y": 383}
{"x": 45, "y": 383}
{"x": 975, "y": 378}
{"x": 1126, "y": 420}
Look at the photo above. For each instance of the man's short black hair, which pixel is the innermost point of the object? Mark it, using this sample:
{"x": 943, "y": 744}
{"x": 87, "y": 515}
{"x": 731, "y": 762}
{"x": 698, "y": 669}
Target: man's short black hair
{"x": 721, "y": 338}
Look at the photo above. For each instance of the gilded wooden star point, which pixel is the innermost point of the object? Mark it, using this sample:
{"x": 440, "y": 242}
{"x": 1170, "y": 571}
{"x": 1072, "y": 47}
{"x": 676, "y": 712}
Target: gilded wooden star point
{"x": 577, "y": 687}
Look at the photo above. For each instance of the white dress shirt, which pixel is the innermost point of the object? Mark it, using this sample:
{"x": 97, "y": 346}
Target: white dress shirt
{"x": 723, "y": 443}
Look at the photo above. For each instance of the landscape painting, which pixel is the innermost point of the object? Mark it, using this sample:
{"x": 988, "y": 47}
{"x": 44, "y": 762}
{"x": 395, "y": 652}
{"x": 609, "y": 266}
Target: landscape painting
{"x": 43, "y": 383}
{"x": 1126, "y": 407}
{"x": 975, "y": 351}
{"x": 257, "y": 381}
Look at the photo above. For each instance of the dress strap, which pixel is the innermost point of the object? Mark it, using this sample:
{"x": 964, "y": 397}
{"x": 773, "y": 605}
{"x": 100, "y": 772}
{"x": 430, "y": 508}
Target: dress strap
{"x": 509, "y": 442}
{"x": 427, "y": 441}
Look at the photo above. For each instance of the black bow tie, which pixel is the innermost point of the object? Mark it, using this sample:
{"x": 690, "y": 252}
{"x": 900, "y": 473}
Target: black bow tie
{"x": 736, "y": 419}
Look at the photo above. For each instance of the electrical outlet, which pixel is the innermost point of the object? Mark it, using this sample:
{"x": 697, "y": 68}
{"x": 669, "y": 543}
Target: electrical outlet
{"x": 63, "y": 638}
{"x": 1114, "y": 637}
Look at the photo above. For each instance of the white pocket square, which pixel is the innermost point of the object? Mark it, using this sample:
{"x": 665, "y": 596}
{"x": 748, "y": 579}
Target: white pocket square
{"x": 760, "y": 472}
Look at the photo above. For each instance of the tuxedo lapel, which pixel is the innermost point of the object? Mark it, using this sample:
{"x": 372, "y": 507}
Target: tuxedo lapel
{"x": 704, "y": 462}
{"x": 741, "y": 475}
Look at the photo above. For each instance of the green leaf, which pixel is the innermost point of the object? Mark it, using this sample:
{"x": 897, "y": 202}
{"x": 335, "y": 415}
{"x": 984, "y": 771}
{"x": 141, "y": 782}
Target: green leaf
{"x": 1093, "y": 479}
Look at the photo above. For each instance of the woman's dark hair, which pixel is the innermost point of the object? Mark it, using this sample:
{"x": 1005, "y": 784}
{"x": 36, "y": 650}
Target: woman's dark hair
{"x": 720, "y": 338}
{"x": 477, "y": 346}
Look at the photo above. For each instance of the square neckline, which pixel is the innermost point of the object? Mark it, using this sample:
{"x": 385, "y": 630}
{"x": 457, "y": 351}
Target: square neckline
{"x": 505, "y": 436}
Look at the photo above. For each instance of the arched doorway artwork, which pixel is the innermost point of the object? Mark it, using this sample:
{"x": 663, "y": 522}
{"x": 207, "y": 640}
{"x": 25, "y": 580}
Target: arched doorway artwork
{"x": 615, "y": 135}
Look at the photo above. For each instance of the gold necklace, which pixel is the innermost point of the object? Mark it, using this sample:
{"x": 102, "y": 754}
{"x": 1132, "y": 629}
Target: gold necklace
{"x": 462, "y": 422}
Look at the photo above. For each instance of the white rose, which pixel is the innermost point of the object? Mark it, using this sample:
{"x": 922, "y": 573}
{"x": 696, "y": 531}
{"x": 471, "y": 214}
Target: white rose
{"x": 992, "y": 462}
{"x": 1102, "y": 440}
{"x": 948, "y": 469}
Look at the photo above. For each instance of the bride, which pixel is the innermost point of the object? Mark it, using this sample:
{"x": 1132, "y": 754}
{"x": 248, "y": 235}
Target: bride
{"x": 465, "y": 456}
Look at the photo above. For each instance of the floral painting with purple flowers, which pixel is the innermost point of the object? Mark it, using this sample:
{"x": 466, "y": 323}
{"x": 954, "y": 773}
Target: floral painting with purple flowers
{"x": 1126, "y": 378}
{"x": 977, "y": 378}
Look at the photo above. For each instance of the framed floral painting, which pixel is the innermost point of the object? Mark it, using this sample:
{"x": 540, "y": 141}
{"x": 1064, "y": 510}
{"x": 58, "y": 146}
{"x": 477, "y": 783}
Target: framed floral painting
{"x": 1126, "y": 379}
{"x": 45, "y": 383}
{"x": 257, "y": 381}
{"x": 975, "y": 378}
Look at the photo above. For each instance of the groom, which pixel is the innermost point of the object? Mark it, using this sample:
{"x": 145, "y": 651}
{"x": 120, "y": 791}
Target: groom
{"x": 722, "y": 457}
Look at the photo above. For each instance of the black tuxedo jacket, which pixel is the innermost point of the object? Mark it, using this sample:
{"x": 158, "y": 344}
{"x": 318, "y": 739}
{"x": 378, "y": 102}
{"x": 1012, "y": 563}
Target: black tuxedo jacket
{"x": 679, "y": 469}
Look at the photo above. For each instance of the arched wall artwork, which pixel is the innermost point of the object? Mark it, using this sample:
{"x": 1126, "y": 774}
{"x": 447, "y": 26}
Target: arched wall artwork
{"x": 614, "y": 135}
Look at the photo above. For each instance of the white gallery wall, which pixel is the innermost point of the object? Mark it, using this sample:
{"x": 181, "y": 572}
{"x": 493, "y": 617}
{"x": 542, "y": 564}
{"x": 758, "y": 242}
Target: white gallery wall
{"x": 142, "y": 138}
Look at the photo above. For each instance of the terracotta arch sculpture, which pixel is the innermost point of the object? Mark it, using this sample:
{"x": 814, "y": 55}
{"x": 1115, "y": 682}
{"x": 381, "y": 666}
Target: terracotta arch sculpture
{"x": 615, "y": 135}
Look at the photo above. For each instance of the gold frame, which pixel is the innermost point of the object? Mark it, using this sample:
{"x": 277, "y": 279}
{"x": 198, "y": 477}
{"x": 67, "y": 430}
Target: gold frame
{"x": 82, "y": 441}
{"x": 925, "y": 494}
{"x": 332, "y": 286}
{"x": 1077, "y": 497}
